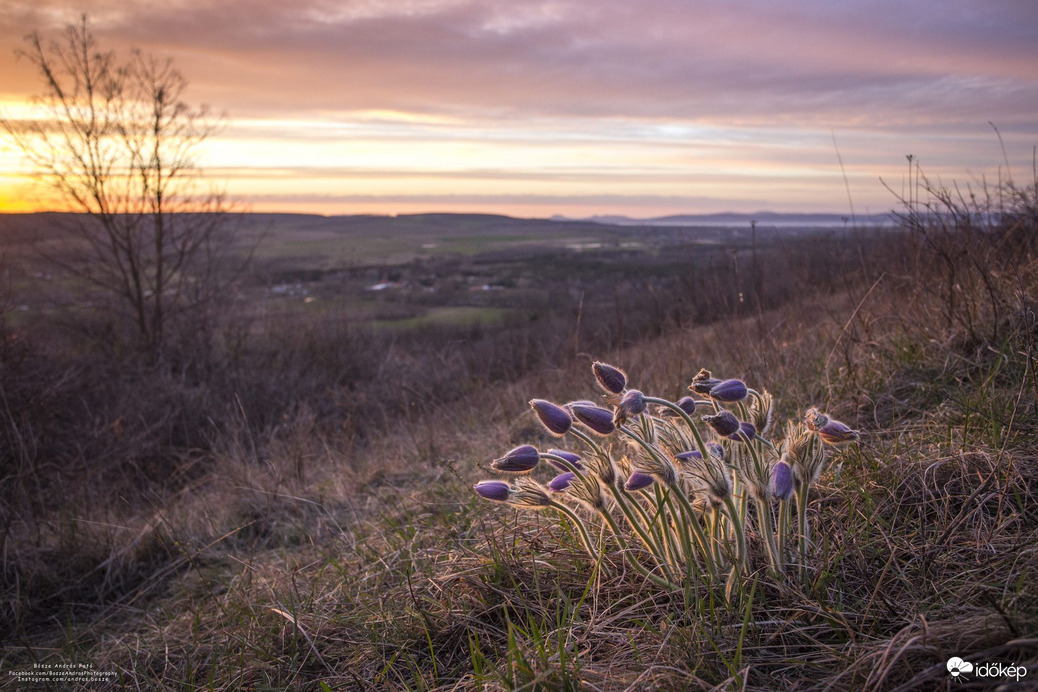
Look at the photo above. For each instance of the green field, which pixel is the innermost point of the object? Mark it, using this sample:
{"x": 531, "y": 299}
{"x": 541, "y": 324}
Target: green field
{"x": 446, "y": 316}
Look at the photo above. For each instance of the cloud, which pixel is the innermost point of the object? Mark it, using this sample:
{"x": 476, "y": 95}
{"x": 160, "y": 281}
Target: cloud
{"x": 655, "y": 104}
{"x": 943, "y": 61}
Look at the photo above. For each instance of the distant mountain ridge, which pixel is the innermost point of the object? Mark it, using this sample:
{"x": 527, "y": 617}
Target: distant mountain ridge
{"x": 763, "y": 218}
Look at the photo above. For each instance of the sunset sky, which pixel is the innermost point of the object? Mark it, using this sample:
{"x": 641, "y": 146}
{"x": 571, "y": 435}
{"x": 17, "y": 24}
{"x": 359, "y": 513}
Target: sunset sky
{"x": 574, "y": 107}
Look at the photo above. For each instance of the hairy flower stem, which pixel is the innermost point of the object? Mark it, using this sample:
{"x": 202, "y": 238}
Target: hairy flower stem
{"x": 581, "y": 529}
{"x": 624, "y": 502}
{"x": 676, "y": 491}
{"x": 801, "y": 495}
{"x": 639, "y": 567}
{"x": 640, "y": 520}
{"x": 674, "y": 551}
{"x": 764, "y": 512}
{"x": 784, "y": 518}
{"x": 719, "y": 541}
{"x": 803, "y": 489}
{"x": 740, "y": 537}
{"x": 768, "y": 529}
{"x": 676, "y": 525}
{"x": 611, "y": 523}
{"x": 685, "y": 533}
{"x": 737, "y": 502}
{"x": 654, "y": 525}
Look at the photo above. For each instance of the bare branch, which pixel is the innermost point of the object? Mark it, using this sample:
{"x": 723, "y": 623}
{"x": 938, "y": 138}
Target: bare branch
{"x": 117, "y": 140}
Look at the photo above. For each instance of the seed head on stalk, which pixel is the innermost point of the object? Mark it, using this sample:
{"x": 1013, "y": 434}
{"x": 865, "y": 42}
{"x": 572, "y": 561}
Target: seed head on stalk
{"x": 762, "y": 412}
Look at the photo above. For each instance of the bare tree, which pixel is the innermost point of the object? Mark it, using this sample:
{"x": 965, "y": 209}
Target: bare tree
{"x": 117, "y": 141}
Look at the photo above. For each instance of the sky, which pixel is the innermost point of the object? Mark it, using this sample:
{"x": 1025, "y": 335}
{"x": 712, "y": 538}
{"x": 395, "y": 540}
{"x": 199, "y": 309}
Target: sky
{"x": 574, "y": 107}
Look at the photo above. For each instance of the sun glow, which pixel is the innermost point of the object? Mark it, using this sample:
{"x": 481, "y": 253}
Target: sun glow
{"x": 387, "y": 162}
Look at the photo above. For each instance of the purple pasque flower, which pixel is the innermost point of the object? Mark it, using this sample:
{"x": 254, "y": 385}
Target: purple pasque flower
{"x": 498, "y": 491}
{"x": 568, "y": 456}
{"x": 685, "y": 403}
{"x": 729, "y": 391}
{"x": 745, "y": 433}
{"x": 836, "y": 433}
{"x": 711, "y": 448}
{"x": 561, "y": 482}
{"x": 596, "y": 418}
{"x": 632, "y": 404}
{"x": 689, "y": 457}
{"x": 610, "y": 378}
{"x": 782, "y": 480}
{"x": 724, "y": 423}
{"x": 638, "y": 480}
{"x": 522, "y": 459}
{"x": 554, "y": 418}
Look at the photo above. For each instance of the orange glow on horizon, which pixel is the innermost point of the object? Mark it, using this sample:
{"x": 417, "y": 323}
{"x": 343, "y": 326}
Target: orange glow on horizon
{"x": 387, "y": 163}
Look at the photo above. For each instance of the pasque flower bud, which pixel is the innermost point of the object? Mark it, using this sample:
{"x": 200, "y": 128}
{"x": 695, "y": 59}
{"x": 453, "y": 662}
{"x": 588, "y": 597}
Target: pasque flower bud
{"x": 782, "y": 480}
{"x": 553, "y": 417}
{"x": 610, "y": 378}
{"x": 561, "y": 482}
{"x": 598, "y": 419}
{"x": 519, "y": 460}
{"x": 729, "y": 391}
{"x": 498, "y": 491}
{"x": 638, "y": 480}
{"x": 836, "y": 433}
{"x": 745, "y": 433}
{"x": 724, "y": 423}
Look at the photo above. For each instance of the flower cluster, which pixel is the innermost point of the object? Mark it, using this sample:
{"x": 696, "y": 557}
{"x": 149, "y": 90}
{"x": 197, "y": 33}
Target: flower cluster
{"x": 696, "y": 484}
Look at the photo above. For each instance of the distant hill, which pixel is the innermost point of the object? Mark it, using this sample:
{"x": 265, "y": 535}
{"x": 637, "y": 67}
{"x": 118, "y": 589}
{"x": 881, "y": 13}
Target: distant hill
{"x": 395, "y": 237}
{"x": 19, "y": 221}
{"x": 763, "y": 218}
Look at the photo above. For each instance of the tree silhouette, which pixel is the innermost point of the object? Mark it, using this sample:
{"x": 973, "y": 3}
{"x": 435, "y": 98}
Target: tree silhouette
{"x": 117, "y": 141}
